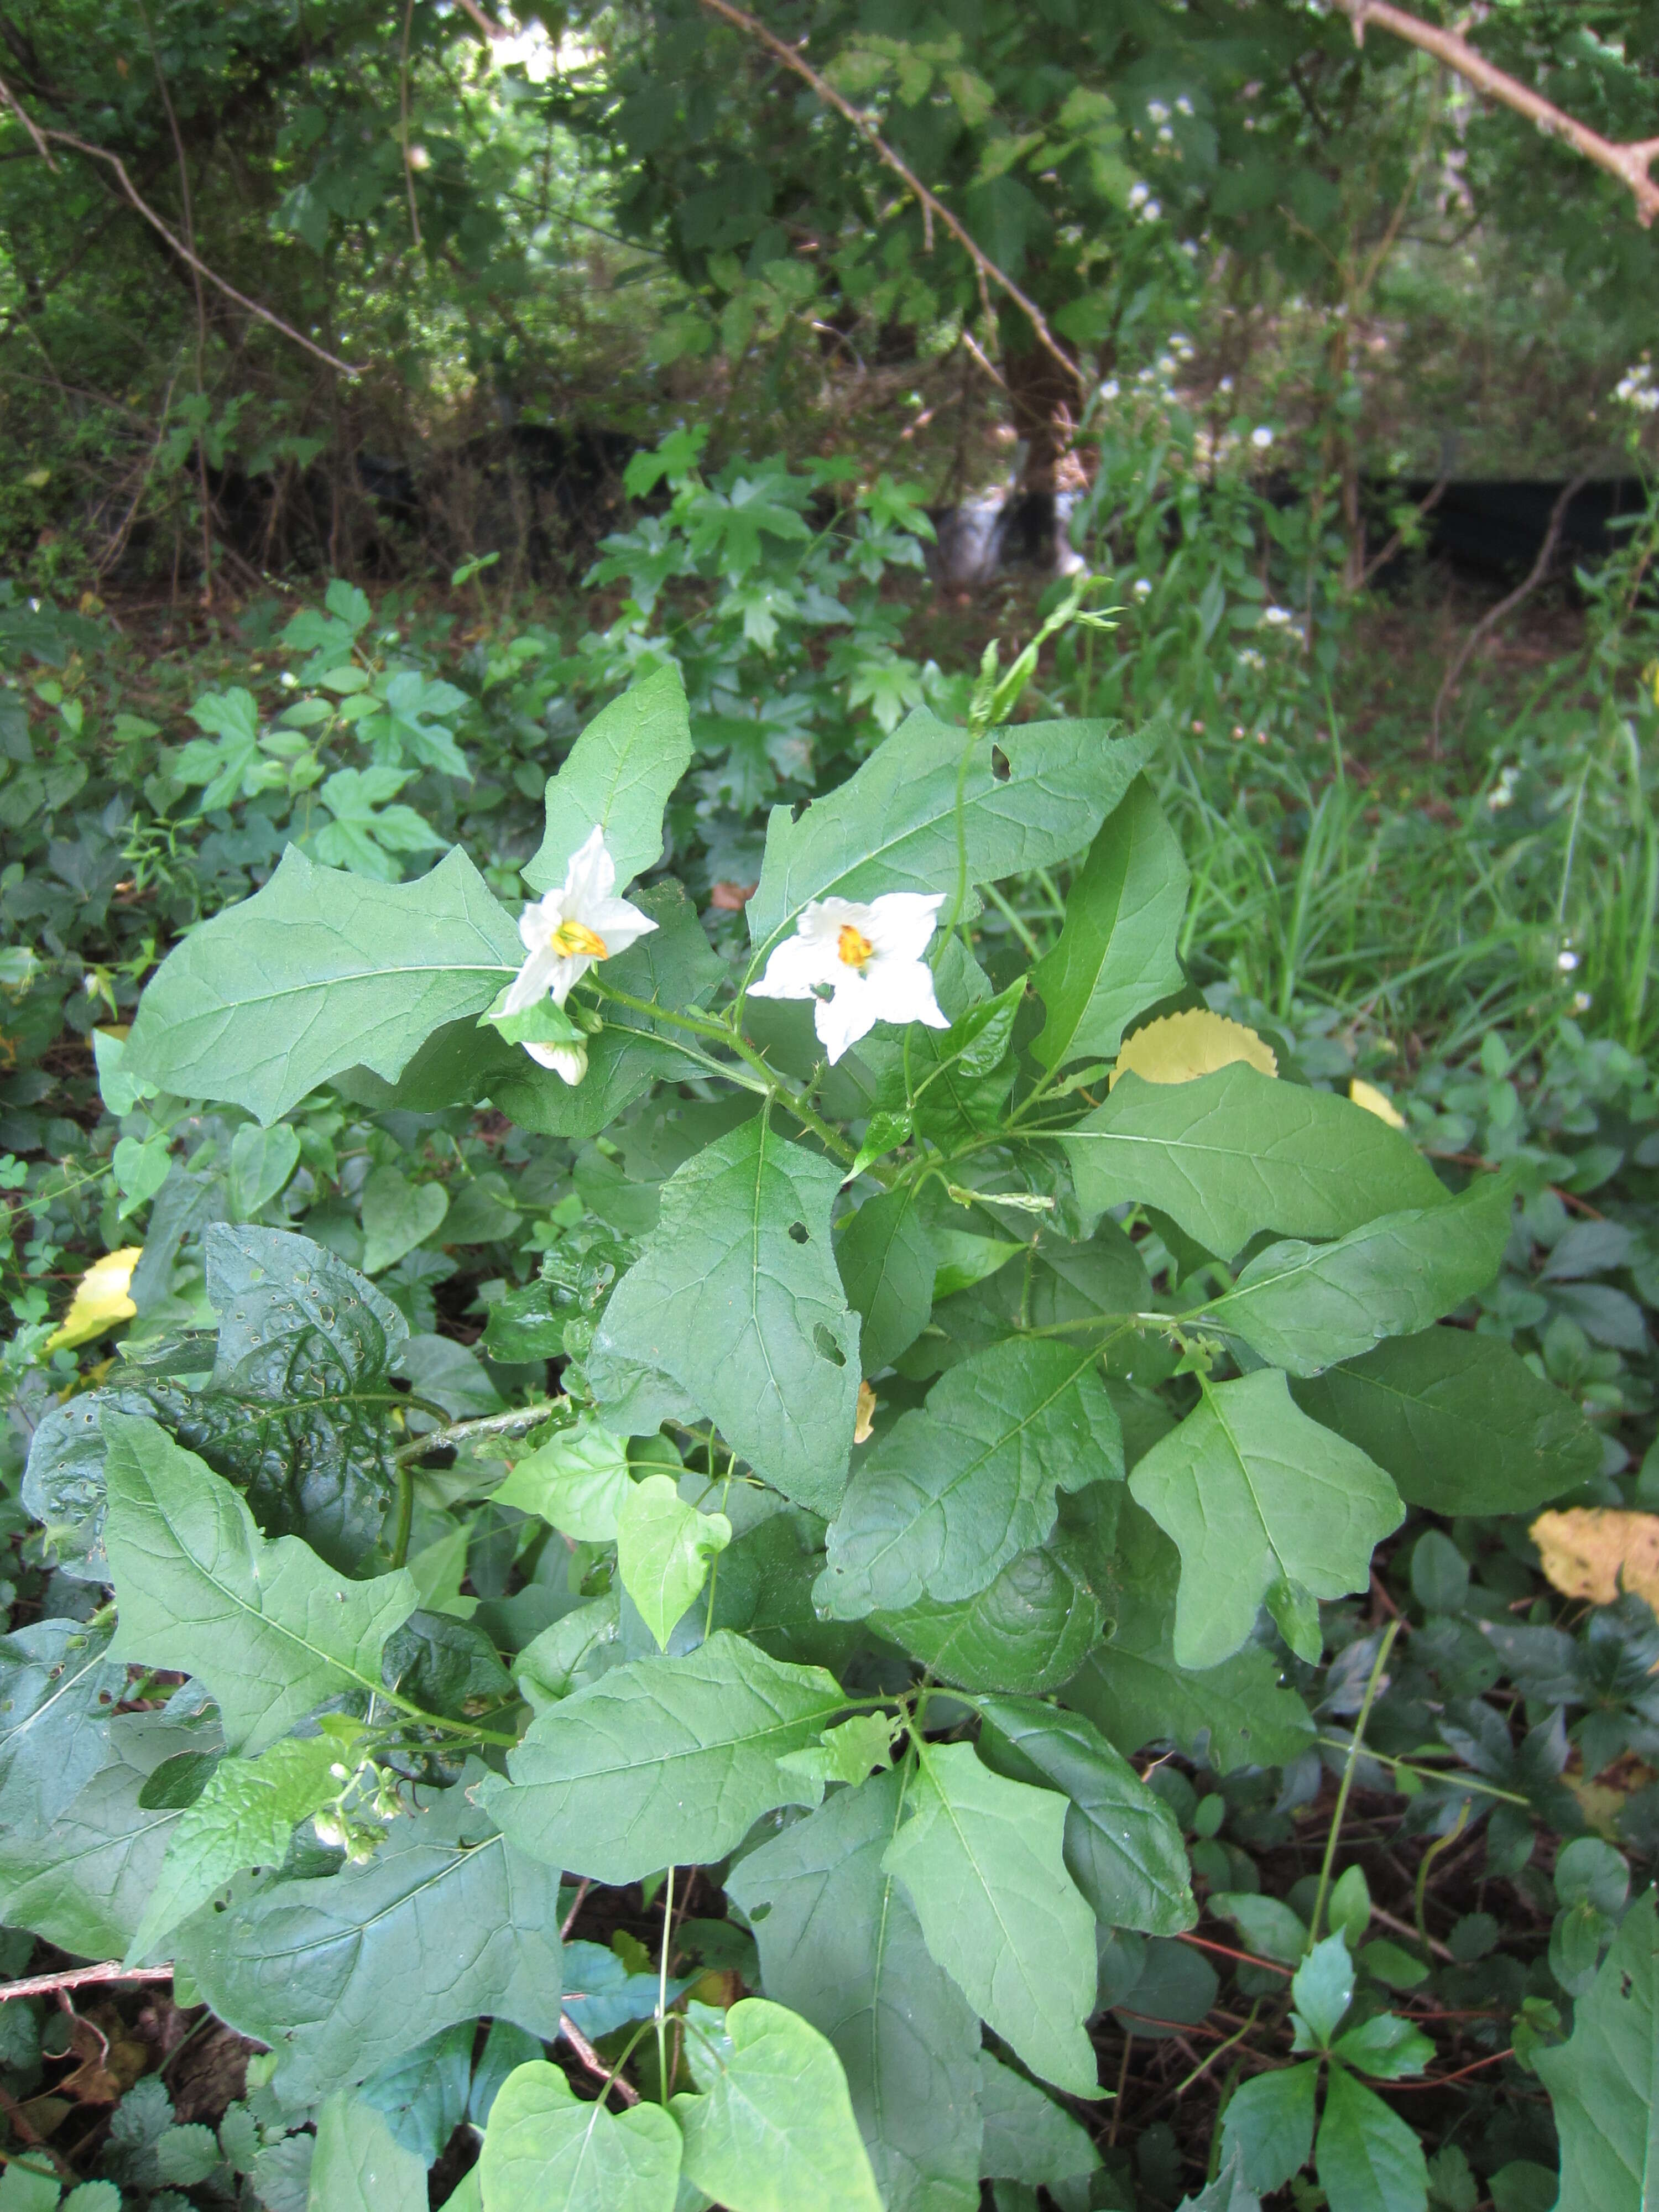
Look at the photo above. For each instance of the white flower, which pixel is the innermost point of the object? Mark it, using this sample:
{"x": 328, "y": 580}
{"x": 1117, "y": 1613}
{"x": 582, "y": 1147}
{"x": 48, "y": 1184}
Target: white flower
{"x": 869, "y": 958}
{"x": 1109, "y": 390}
{"x": 569, "y": 1062}
{"x": 568, "y": 929}
{"x": 1138, "y": 194}
{"x": 1261, "y": 437}
{"x": 1183, "y": 105}
{"x": 1274, "y": 618}
{"x": 1156, "y": 112}
{"x": 1150, "y": 212}
{"x": 1142, "y": 587}
{"x": 1567, "y": 960}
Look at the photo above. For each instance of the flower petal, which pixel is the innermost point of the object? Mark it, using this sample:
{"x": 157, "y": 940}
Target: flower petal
{"x": 537, "y": 923}
{"x": 900, "y": 923}
{"x": 797, "y": 967}
{"x": 842, "y": 1020}
{"x": 619, "y": 923}
{"x": 590, "y": 876}
{"x": 533, "y": 981}
{"x": 902, "y": 991}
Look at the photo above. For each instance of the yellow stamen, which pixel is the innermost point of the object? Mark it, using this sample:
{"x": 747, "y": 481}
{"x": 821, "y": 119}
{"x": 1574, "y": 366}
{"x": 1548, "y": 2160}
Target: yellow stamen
{"x": 854, "y": 948}
{"x": 571, "y": 938}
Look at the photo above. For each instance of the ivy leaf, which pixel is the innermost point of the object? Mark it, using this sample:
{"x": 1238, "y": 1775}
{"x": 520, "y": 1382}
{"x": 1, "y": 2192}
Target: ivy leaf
{"x": 1269, "y": 2126}
{"x": 892, "y": 826}
{"x": 888, "y": 1260}
{"x": 1459, "y": 1421}
{"x": 663, "y": 1550}
{"x": 1368, "y": 2158}
{"x": 1254, "y": 1493}
{"x": 1303, "y": 1306}
{"x": 951, "y": 1493}
{"x": 663, "y": 1762}
{"x": 1235, "y": 1152}
{"x": 1116, "y": 953}
{"x": 266, "y": 1627}
{"x": 734, "y": 1309}
{"x": 545, "y": 2150}
{"x": 775, "y": 2131}
{"x": 342, "y": 1973}
{"x": 1136, "y": 1693}
{"x": 357, "y": 2168}
{"x": 317, "y": 973}
{"x": 981, "y": 1861}
{"x": 1123, "y": 1844}
{"x": 58, "y": 1687}
{"x": 1027, "y": 2136}
{"x": 1029, "y": 1630}
{"x": 1604, "y": 2080}
{"x": 618, "y": 777}
{"x": 82, "y": 1882}
{"x": 576, "y": 1482}
{"x": 245, "y": 1817}
{"x": 840, "y": 1945}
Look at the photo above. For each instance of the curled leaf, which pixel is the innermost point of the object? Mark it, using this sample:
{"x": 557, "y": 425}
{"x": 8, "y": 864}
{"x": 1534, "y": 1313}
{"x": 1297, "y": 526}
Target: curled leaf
{"x": 101, "y": 1301}
{"x": 1182, "y": 1047}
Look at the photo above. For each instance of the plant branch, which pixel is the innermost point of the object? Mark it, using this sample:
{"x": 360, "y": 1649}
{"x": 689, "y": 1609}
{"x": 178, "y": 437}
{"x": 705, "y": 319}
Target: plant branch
{"x": 489, "y": 1424}
{"x": 933, "y": 208}
{"x": 591, "y": 2059}
{"x": 1629, "y": 162}
{"x": 76, "y": 1977}
{"x": 43, "y": 137}
{"x": 1347, "y": 1783}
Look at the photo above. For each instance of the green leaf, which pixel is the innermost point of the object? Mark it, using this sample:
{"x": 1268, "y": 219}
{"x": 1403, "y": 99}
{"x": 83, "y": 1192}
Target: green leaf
{"x": 982, "y": 1860}
{"x": 1266, "y": 1925}
{"x": 82, "y": 1882}
{"x": 663, "y": 1761}
{"x": 951, "y": 1493}
{"x": 342, "y": 1973}
{"x": 1226, "y": 2193}
{"x": 425, "y": 2094}
{"x": 888, "y": 1259}
{"x": 1303, "y": 1306}
{"x": 1269, "y": 2126}
{"x": 318, "y": 973}
{"x": 266, "y": 1627}
{"x": 397, "y": 1215}
{"x": 1123, "y": 1844}
{"x": 1230, "y": 1154}
{"x": 576, "y": 1482}
{"x": 1386, "y": 2047}
{"x": 1367, "y": 2158}
{"x": 735, "y": 1310}
{"x": 775, "y": 2132}
{"x": 840, "y": 1945}
{"x": 1253, "y": 1491}
{"x": 1322, "y": 1991}
{"x": 1460, "y": 1421}
{"x": 1136, "y": 1693}
{"x": 893, "y": 826}
{"x": 58, "y": 1687}
{"x": 846, "y": 1753}
{"x": 261, "y": 1162}
{"x": 1030, "y": 1630}
{"x": 617, "y": 777}
{"x": 663, "y": 1550}
{"x": 546, "y": 2151}
{"x": 1604, "y": 2082}
{"x": 245, "y": 1817}
{"x": 1027, "y": 2136}
{"x": 357, "y": 2168}
{"x": 1117, "y": 954}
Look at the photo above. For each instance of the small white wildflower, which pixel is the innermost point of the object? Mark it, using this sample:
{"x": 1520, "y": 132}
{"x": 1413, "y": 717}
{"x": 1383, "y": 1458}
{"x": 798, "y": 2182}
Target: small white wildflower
{"x": 868, "y": 956}
{"x": 1138, "y": 193}
{"x": 1567, "y": 960}
{"x": 1109, "y": 391}
{"x": 1166, "y": 137}
{"x": 1150, "y": 212}
{"x": 1156, "y": 112}
{"x": 1274, "y": 618}
{"x": 1581, "y": 1002}
{"x": 1225, "y": 384}
{"x": 1249, "y": 658}
{"x": 1142, "y": 587}
{"x": 568, "y": 1061}
{"x": 1183, "y": 105}
{"x": 1166, "y": 364}
{"x": 570, "y": 928}
{"x": 1261, "y": 437}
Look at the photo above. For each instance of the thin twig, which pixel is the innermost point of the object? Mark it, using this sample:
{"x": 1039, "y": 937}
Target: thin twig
{"x": 1629, "y": 162}
{"x": 582, "y": 1887}
{"x": 489, "y": 1424}
{"x": 1379, "y": 1676}
{"x": 1423, "y": 507}
{"x": 1493, "y": 615}
{"x": 591, "y": 2059}
{"x": 42, "y": 133}
{"x": 74, "y": 1978}
{"x": 932, "y": 206}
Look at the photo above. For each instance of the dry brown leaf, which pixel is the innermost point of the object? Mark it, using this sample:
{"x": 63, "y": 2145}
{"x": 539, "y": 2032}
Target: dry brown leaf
{"x": 1595, "y": 1551}
{"x": 866, "y": 1414}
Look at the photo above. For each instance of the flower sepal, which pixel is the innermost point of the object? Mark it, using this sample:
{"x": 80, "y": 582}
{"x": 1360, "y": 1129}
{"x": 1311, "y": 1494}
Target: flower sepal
{"x": 544, "y": 1023}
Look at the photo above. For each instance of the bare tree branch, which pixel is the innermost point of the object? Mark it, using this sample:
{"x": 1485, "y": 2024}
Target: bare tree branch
{"x": 43, "y": 136}
{"x": 933, "y": 209}
{"x": 76, "y": 1977}
{"x": 1629, "y": 162}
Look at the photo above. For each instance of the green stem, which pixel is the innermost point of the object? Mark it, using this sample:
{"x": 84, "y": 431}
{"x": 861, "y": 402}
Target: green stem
{"x": 662, "y": 1987}
{"x": 1420, "y": 1896}
{"x": 1468, "y": 1781}
{"x": 489, "y": 1425}
{"x": 1346, "y": 1782}
{"x": 405, "y": 1516}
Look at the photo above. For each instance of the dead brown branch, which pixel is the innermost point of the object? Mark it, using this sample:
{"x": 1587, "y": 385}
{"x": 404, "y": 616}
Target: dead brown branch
{"x": 1629, "y": 162}
{"x": 76, "y": 1977}
{"x": 933, "y": 209}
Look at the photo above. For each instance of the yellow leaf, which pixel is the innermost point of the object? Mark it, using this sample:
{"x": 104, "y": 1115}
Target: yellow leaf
{"x": 101, "y": 1299}
{"x": 866, "y": 1414}
{"x": 1182, "y": 1047}
{"x": 1595, "y": 1552}
{"x": 1368, "y": 1095}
